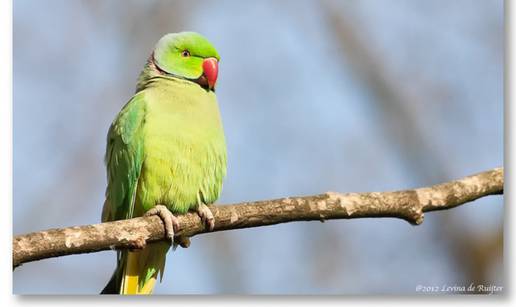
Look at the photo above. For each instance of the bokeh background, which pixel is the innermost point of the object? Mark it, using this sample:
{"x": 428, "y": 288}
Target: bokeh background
{"x": 368, "y": 95}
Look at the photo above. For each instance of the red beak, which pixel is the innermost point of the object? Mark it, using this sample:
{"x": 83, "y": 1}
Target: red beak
{"x": 210, "y": 67}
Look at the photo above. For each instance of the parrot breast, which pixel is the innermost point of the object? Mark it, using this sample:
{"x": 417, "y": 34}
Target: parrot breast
{"x": 184, "y": 147}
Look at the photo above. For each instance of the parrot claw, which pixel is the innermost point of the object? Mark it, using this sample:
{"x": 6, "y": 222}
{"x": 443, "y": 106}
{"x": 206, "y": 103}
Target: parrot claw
{"x": 170, "y": 221}
{"x": 206, "y": 216}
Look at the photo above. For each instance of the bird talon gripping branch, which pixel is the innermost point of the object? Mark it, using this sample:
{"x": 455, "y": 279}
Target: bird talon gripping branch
{"x": 206, "y": 216}
{"x": 170, "y": 221}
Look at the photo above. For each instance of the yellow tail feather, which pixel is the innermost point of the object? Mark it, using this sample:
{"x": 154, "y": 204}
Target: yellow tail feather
{"x": 137, "y": 265}
{"x": 131, "y": 274}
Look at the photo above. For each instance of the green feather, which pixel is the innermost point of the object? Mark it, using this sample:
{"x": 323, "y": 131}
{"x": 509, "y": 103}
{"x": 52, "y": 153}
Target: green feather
{"x": 124, "y": 158}
{"x": 166, "y": 146}
{"x": 169, "y": 57}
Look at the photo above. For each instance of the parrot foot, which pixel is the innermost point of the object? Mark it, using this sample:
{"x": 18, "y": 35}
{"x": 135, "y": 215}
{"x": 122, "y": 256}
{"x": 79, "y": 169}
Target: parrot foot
{"x": 206, "y": 216}
{"x": 170, "y": 221}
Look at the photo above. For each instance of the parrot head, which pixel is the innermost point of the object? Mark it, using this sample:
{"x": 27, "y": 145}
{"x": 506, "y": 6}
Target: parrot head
{"x": 187, "y": 55}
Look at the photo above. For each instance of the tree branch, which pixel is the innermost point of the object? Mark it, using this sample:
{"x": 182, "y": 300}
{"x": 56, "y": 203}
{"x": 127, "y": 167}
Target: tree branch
{"x": 408, "y": 205}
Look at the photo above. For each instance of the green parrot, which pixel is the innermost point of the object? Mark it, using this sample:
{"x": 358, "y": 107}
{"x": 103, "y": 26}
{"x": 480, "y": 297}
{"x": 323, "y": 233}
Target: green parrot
{"x": 166, "y": 152}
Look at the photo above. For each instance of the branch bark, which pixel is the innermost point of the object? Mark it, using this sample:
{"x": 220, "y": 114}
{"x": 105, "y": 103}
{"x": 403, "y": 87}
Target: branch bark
{"x": 408, "y": 205}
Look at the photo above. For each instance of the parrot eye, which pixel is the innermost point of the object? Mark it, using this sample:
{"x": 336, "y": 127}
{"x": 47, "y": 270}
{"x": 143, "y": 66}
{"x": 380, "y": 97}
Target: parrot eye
{"x": 185, "y": 53}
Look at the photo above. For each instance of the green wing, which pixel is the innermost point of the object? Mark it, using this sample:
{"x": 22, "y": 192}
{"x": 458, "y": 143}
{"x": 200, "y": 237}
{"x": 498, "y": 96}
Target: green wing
{"x": 124, "y": 159}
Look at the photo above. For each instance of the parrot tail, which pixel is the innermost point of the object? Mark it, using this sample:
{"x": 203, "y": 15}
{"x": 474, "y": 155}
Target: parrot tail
{"x": 137, "y": 271}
